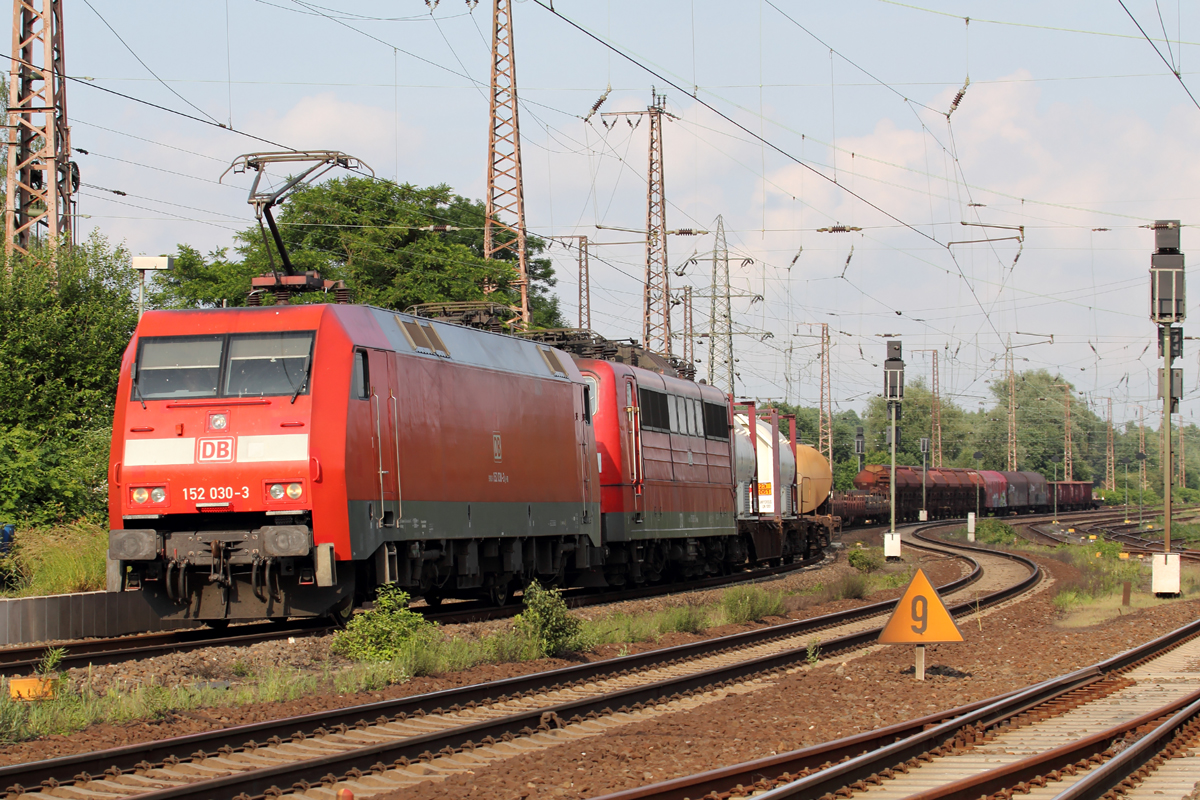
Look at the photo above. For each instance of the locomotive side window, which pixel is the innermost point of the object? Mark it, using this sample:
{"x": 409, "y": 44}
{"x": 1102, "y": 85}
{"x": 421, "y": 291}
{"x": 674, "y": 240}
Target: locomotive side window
{"x": 592, "y": 396}
{"x": 697, "y": 418}
{"x": 716, "y": 421}
{"x": 672, "y": 414}
{"x": 361, "y": 387}
{"x": 262, "y": 364}
{"x": 178, "y": 366}
{"x": 656, "y": 414}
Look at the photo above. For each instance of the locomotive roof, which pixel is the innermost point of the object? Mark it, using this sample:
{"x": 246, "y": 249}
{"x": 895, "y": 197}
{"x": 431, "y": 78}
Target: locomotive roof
{"x": 369, "y": 326}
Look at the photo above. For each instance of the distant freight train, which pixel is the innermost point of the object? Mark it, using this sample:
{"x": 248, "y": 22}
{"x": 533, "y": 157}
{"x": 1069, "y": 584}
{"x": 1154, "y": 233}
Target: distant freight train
{"x": 287, "y": 460}
{"x": 955, "y": 492}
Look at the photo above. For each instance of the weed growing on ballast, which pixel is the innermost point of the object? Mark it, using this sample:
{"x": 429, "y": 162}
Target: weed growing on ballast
{"x": 382, "y": 633}
{"x": 547, "y": 623}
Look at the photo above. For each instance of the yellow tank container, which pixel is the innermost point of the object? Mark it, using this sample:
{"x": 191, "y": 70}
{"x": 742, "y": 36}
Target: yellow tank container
{"x": 814, "y": 478}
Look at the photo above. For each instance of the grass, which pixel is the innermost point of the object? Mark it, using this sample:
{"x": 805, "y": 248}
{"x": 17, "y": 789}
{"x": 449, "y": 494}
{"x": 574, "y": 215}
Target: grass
{"x": 57, "y": 560}
{"x": 77, "y": 706}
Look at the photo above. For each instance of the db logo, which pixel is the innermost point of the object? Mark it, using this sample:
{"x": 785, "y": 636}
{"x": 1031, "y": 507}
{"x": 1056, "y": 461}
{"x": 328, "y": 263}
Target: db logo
{"x": 216, "y": 450}
{"x": 497, "y": 452}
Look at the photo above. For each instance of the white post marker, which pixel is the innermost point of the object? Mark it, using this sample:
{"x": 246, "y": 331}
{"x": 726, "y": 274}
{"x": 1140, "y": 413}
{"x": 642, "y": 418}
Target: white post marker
{"x": 1164, "y": 571}
{"x": 970, "y": 526}
{"x": 152, "y": 263}
{"x": 891, "y": 546}
{"x": 920, "y": 618}
{"x": 923, "y": 515}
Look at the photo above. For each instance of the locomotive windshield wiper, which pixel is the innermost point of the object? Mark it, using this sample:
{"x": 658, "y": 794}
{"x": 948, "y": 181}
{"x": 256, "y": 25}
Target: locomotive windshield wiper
{"x": 137, "y": 385}
{"x": 303, "y": 383}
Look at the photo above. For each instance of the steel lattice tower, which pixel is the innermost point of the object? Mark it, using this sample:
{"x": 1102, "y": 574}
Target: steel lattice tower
{"x": 1110, "y": 470}
{"x": 720, "y": 332}
{"x": 1012, "y": 407}
{"x": 585, "y": 286}
{"x": 935, "y": 412}
{"x": 505, "y": 193}
{"x": 41, "y": 177}
{"x": 656, "y": 322}
{"x": 585, "y": 282}
{"x": 1068, "y": 463}
{"x": 684, "y": 298}
{"x": 825, "y": 428}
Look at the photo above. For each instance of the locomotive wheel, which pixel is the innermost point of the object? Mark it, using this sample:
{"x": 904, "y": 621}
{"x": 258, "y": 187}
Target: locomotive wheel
{"x": 432, "y": 600}
{"x": 500, "y": 595}
{"x": 341, "y": 613}
{"x": 217, "y": 624}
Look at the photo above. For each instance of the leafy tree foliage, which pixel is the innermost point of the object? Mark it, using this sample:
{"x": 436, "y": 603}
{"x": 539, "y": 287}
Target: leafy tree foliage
{"x": 374, "y": 235}
{"x": 67, "y": 317}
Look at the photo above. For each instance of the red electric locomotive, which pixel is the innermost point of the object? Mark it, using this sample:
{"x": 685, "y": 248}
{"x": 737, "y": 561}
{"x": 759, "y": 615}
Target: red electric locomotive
{"x": 285, "y": 460}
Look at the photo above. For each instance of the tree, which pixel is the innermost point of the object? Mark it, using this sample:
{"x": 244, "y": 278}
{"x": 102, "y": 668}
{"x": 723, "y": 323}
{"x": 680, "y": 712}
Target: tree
{"x": 377, "y": 236}
{"x": 67, "y": 317}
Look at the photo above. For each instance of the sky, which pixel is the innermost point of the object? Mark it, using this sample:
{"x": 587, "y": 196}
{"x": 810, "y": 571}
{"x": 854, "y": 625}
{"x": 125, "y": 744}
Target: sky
{"x": 1071, "y": 136}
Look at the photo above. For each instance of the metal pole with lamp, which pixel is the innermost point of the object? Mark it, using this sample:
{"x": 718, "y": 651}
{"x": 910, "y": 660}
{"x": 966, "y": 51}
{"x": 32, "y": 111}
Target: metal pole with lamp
{"x": 893, "y": 393}
{"x": 144, "y": 264}
{"x": 1167, "y": 306}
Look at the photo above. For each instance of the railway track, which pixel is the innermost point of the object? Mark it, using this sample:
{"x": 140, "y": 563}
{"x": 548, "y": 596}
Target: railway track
{"x": 389, "y": 745}
{"x": 1131, "y": 722}
{"x": 24, "y": 660}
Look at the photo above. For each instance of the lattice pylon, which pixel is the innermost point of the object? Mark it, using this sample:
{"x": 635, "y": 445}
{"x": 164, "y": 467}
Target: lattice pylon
{"x": 825, "y": 421}
{"x": 1068, "y": 459}
{"x": 1012, "y": 406}
{"x": 505, "y": 194}
{"x": 720, "y": 321}
{"x": 585, "y": 286}
{"x": 935, "y": 413}
{"x": 41, "y": 178}
{"x": 1110, "y": 470}
{"x": 656, "y": 322}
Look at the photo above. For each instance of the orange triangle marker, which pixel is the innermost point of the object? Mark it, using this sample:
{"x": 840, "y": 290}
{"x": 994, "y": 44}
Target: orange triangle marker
{"x": 920, "y": 617}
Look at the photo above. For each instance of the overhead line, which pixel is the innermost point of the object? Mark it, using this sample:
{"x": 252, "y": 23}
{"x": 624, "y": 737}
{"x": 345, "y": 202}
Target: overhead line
{"x": 1170, "y": 66}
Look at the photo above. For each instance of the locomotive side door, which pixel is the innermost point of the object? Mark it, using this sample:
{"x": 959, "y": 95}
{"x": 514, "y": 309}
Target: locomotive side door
{"x": 384, "y": 413}
{"x": 634, "y": 464}
{"x": 586, "y": 439}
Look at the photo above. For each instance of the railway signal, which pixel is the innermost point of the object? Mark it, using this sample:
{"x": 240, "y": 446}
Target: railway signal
{"x": 893, "y": 393}
{"x": 1167, "y": 306}
{"x": 920, "y": 618}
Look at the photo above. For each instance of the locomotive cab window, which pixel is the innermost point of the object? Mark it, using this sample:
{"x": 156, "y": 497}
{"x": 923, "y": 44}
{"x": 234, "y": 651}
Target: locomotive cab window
{"x": 262, "y": 364}
{"x": 360, "y": 388}
{"x": 178, "y": 366}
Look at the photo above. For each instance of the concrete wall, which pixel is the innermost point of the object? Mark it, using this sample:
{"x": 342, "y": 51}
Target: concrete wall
{"x": 78, "y": 616}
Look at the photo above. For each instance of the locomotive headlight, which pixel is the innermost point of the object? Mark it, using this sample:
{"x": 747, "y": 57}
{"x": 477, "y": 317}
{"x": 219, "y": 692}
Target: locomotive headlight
{"x": 158, "y": 494}
{"x": 294, "y": 490}
{"x": 217, "y": 421}
{"x": 276, "y": 491}
{"x": 141, "y": 495}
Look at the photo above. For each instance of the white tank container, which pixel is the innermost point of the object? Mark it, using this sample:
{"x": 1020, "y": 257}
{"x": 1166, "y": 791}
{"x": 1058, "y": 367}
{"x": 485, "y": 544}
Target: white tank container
{"x": 767, "y": 453}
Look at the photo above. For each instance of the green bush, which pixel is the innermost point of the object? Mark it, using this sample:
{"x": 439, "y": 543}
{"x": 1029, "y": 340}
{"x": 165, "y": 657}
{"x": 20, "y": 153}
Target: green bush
{"x": 851, "y": 586}
{"x": 547, "y": 623}
{"x": 865, "y": 560}
{"x": 993, "y": 531}
{"x": 386, "y": 631}
{"x": 750, "y": 603}
{"x": 68, "y": 316}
